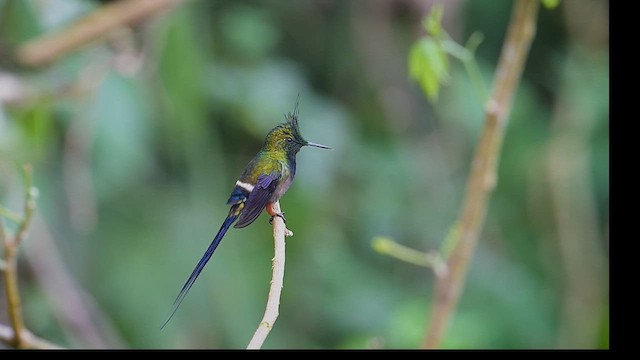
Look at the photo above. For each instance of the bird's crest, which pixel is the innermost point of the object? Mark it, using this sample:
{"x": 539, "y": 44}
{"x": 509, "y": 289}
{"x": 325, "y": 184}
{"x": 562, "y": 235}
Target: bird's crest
{"x": 292, "y": 118}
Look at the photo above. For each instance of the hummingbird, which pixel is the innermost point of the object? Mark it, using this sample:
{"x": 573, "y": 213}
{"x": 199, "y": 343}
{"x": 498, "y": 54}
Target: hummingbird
{"x": 262, "y": 183}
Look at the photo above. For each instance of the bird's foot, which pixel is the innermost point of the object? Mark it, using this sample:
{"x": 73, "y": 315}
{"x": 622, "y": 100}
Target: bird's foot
{"x": 280, "y": 215}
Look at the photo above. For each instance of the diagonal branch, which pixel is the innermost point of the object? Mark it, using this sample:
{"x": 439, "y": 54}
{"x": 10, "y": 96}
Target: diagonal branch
{"x": 483, "y": 177}
{"x": 49, "y": 47}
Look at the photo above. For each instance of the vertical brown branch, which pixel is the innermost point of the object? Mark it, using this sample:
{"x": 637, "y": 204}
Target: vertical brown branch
{"x": 482, "y": 178}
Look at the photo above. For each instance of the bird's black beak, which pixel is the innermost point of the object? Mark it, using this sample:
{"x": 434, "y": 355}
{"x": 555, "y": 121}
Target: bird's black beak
{"x": 317, "y": 145}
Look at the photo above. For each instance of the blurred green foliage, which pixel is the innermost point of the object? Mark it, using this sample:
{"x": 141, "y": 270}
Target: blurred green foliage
{"x": 134, "y": 165}
{"x": 428, "y": 60}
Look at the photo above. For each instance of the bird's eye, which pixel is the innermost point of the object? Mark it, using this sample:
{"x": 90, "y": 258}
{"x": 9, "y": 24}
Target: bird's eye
{"x": 288, "y": 139}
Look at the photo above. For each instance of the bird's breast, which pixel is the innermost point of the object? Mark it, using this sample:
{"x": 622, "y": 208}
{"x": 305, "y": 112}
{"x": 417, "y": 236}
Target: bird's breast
{"x": 288, "y": 173}
{"x": 282, "y": 188}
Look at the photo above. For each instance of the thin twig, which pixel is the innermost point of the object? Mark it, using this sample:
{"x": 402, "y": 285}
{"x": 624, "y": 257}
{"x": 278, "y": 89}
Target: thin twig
{"x": 48, "y": 48}
{"x": 466, "y": 55}
{"x": 432, "y": 260}
{"x": 9, "y": 274}
{"x": 20, "y": 338}
{"x": 273, "y": 302}
{"x": 31, "y": 194}
{"x": 483, "y": 178}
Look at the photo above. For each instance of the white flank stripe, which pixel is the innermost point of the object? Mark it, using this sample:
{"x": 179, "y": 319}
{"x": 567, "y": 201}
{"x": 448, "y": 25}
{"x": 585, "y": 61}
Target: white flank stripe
{"x": 245, "y": 185}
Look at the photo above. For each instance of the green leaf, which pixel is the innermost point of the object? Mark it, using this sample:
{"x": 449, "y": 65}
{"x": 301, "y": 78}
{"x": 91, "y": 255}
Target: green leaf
{"x": 550, "y": 4}
{"x": 429, "y": 66}
{"x": 416, "y": 62}
{"x": 421, "y": 71}
{"x": 437, "y": 58}
{"x": 37, "y": 132}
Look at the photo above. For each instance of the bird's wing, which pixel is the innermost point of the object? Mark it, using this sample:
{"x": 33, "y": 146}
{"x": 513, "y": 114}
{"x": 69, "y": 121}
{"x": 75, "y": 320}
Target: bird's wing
{"x": 258, "y": 198}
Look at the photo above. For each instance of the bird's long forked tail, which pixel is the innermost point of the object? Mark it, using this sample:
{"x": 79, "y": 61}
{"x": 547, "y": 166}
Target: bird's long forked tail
{"x": 203, "y": 261}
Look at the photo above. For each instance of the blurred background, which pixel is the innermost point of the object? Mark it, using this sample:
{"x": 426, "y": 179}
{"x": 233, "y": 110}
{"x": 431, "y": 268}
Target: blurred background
{"x": 137, "y": 139}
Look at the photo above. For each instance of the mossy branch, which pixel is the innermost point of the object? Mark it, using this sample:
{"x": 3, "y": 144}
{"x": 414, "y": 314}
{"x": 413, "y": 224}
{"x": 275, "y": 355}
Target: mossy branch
{"x": 483, "y": 177}
{"x": 280, "y": 231}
